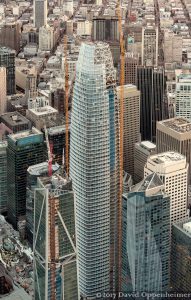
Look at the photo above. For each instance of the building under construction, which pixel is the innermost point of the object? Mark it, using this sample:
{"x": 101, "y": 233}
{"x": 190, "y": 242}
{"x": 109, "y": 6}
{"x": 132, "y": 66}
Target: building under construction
{"x": 54, "y": 240}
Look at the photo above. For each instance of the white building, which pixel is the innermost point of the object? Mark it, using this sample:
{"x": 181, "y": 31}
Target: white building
{"x": 46, "y": 38}
{"x": 150, "y": 46}
{"x": 172, "y": 169}
{"x": 84, "y": 28}
{"x": 3, "y": 90}
{"x": 183, "y": 96}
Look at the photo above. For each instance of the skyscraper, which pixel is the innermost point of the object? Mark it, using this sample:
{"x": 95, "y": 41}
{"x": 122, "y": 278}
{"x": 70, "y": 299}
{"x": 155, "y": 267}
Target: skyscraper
{"x": 3, "y": 177}
{"x": 151, "y": 83}
{"x": 55, "y": 267}
{"x": 131, "y": 63}
{"x": 3, "y": 90}
{"x": 175, "y": 135}
{"x": 40, "y": 13}
{"x": 25, "y": 148}
{"x": 180, "y": 256}
{"x": 105, "y": 28}
{"x": 141, "y": 153}
{"x": 131, "y": 130}
{"x": 10, "y": 34}
{"x": 146, "y": 237}
{"x": 172, "y": 169}
{"x": 7, "y": 60}
{"x": 33, "y": 172}
{"x": 94, "y": 167}
{"x": 183, "y": 96}
{"x": 150, "y": 46}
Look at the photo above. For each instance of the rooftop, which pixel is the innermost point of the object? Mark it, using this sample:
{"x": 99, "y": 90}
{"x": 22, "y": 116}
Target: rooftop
{"x": 41, "y": 111}
{"x": 148, "y": 183}
{"x": 14, "y": 118}
{"x": 148, "y": 145}
{"x": 24, "y": 134}
{"x": 167, "y": 157}
{"x": 41, "y": 168}
{"x": 177, "y": 124}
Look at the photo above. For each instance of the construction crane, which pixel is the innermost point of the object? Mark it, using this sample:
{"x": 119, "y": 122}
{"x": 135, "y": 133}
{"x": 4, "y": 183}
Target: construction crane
{"x": 122, "y": 81}
{"x": 66, "y": 107}
{"x": 49, "y": 148}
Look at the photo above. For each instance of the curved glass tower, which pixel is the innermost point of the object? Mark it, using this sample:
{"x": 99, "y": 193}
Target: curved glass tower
{"x": 93, "y": 167}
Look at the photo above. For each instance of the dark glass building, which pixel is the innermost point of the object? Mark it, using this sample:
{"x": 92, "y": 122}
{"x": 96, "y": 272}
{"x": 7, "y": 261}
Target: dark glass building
{"x": 151, "y": 83}
{"x": 24, "y": 149}
{"x": 181, "y": 257}
{"x": 7, "y": 60}
{"x": 146, "y": 237}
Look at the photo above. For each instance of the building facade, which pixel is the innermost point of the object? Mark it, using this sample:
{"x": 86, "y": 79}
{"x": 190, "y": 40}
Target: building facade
{"x": 181, "y": 256}
{"x": 94, "y": 167}
{"x": 150, "y": 46}
{"x": 183, "y": 95}
{"x": 3, "y": 90}
{"x": 40, "y": 13}
{"x": 172, "y": 169}
{"x": 54, "y": 245}
{"x": 146, "y": 237}
{"x": 3, "y": 177}
{"x": 24, "y": 149}
{"x": 7, "y": 60}
{"x": 141, "y": 153}
{"x": 131, "y": 122}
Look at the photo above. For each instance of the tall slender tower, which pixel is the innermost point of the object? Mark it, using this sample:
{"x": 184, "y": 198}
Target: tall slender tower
{"x": 40, "y": 13}
{"x": 94, "y": 164}
{"x": 3, "y": 90}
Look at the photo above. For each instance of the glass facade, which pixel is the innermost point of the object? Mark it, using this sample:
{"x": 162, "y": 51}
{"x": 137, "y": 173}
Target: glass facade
{"x": 93, "y": 161}
{"x": 3, "y": 177}
{"x": 146, "y": 263}
{"x": 181, "y": 258}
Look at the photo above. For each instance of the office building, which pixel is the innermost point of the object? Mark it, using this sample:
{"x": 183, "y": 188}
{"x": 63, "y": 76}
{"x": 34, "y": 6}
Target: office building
{"x": 33, "y": 172}
{"x": 3, "y": 90}
{"x": 172, "y": 169}
{"x": 131, "y": 63}
{"x": 131, "y": 122}
{"x": 3, "y": 177}
{"x": 105, "y": 28}
{"x": 183, "y": 96}
{"x": 146, "y": 237}
{"x": 55, "y": 266}
{"x": 141, "y": 153}
{"x": 40, "y": 13}
{"x": 24, "y": 149}
{"x": 15, "y": 121}
{"x": 10, "y": 35}
{"x": 150, "y": 46}
{"x": 56, "y": 136}
{"x": 7, "y": 60}
{"x": 180, "y": 256}
{"x": 94, "y": 162}
{"x": 174, "y": 135}
{"x": 30, "y": 90}
{"x": 150, "y": 83}
{"x": 46, "y": 38}
{"x": 41, "y": 115}
{"x": 172, "y": 47}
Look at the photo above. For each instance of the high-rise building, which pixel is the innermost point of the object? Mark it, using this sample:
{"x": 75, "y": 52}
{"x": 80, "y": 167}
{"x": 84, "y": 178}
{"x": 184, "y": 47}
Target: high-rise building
{"x": 172, "y": 47}
{"x": 33, "y": 172}
{"x": 105, "y": 28}
{"x": 146, "y": 237}
{"x": 183, "y": 96}
{"x": 55, "y": 266}
{"x": 172, "y": 169}
{"x": 46, "y": 38}
{"x": 131, "y": 63}
{"x": 3, "y": 90}
{"x": 30, "y": 91}
{"x": 150, "y": 46}
{"x": 7, "y": 60}
{"x": 174, "y": 135}
{"x": 151, "y": 84}
{"x": 40, "y": 13}
{"x": 131, "y": 128}
{"x": 180, "y": 256}
{"x": 24, "y": 149}
{"x": 10, "y": 34}
{"x": 141, "y": 153}
{"x": 3, "y": 177}
{"x": 15, "y": 121}
{"x": 94, "y": 164}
